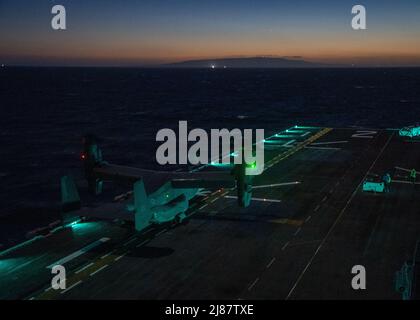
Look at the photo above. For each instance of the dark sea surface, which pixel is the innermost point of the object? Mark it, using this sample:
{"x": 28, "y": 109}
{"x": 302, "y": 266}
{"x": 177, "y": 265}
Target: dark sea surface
{"x": 45, "y": 111}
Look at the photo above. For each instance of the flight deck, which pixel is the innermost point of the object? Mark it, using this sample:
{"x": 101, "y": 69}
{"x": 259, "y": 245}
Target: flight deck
{"x": 309, "y": 223}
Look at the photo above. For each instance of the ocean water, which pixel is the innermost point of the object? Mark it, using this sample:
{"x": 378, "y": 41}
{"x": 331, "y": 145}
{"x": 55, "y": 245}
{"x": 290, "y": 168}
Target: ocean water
{"x": 45, "y": 111}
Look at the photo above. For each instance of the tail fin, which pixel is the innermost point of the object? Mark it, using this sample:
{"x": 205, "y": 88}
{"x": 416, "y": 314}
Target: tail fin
{"x": 70, "y": 199}
{"x": 91, "y": 157}
{"x": 243, "y": 185}
{"x": 142, "y": 212}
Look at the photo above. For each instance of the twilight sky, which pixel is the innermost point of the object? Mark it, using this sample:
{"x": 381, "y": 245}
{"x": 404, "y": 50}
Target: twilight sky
{"x": 139, "y": 32}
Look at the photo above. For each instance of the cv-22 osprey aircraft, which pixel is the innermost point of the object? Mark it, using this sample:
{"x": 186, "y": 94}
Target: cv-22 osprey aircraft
{"x": 159, "y": 197}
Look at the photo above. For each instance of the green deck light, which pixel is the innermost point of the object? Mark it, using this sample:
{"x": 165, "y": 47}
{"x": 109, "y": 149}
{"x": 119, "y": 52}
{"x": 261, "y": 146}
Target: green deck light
{"x": 252, "y": 165}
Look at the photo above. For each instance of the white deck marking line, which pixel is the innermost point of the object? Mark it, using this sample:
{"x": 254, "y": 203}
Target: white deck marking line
{"x": 285, "y": 246}
{"x": 84, "y": 268}
{"x": 276, "y": 185}
{"x": 160, "y": 232}
{"x": 100, "y": 269}
{"x": 22, "y": 265}
{"x": 33, "y": 298}
{"x": 297, "y": 231}
{"x": 120, "y": 257}
{"x": 140, "y": 244}
{"x": 404, "y": 169}
{"x": 106, "y": 255}
{"x": 326, "y": 143}
{"x": 371, "y": 234}
{"x": 271, "y": 262}
{"x": 48, "y": 289}
{"x": 71, "y": 287}
{"x": 129, "y": 241}
{"x": 256, "y": 199}
{"x": 214, "y": 200}
{"x": 78, "y": 253}
{"x": 337, "y": 220}
{"x": 324, "y": 199}
{"x": 288, "y": 143}
{"x": 305, "y": 134}
{"x": 406, "y": 182}
{"x": 203, "y": 206}
{"x": 308, "y": 218}
{"x": 322, "y": 148}
{"x": 317, "y": 208}
{"x": 253, "y": 284}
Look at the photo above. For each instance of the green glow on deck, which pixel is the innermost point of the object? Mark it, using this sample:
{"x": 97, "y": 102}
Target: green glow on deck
{"x": 280, "y": 142}
{"x": 305, "y": 127}
{"x": 252, "y": 165}
{"x": 220, "y": 165}
{"x": 84, "y": 226}
{"x": 284, "y": 136}
{"x": 10, "y": 264}
{"x": 295, "y": 131}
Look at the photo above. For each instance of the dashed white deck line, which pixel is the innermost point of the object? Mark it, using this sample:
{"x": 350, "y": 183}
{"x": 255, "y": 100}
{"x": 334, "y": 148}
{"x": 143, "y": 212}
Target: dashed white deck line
{"x": 120, "y": 257}
{"x": 203, "y": 206}
{"x": 308, "y": 218}
{"x": 160, "y": 232}
{"x": 140, "y": 244}
{"x": 253, "y": 284}
{"x": 100, "y": 269}
{"x": 130, "y": 241}
{"x": 78, "y": 253}
{"x": 106, "y": 255}
{"x": 84, "y": 268}
{"x": 271, "y": 262}
{"x": 287, "y": 144}
{"x": 48, "y": 289}
{"x": 297, "y": 231}
{"x": 324, "y": 199}
{"x": 305, "y": 134}
{"x": 71, "y": 287}
{"x": 285, "y": 246}
{"x": 317, "y": 208}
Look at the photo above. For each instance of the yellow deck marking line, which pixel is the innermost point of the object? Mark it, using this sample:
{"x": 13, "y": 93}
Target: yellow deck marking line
{"x": 298, "y": 147}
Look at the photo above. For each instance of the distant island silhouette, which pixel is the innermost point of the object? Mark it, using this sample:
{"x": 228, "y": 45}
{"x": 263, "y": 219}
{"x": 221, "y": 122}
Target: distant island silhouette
{"x": 254, "y": 62}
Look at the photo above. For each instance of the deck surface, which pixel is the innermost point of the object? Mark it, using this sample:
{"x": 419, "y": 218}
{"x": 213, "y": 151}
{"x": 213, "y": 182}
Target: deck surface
{"x": 301, "y": 245}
